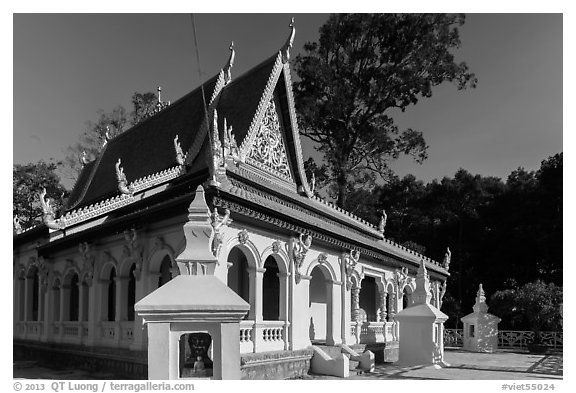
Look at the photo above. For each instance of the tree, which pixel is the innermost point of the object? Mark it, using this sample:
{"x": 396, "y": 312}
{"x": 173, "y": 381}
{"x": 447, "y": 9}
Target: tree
{"x": 144, "y": 105}
{"x": 536, "y": 306}
{"x": 364, "y": 67}
{"x": 27, "y": 182}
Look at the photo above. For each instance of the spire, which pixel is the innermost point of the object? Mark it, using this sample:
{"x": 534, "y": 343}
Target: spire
{"x": 480, "y": 305}
{"x": 229, "y": 65}
{"x": 422, "y": 293}
{"x": 288, "y": 44}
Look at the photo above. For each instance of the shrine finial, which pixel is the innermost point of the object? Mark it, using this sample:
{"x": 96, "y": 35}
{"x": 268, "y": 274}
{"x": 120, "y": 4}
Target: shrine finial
{"x": 229, "y": 64}
{"x": 289, "y": 42}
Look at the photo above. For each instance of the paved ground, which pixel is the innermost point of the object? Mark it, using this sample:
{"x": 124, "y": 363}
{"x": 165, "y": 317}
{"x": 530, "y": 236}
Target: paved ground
{"x": 463, "y": 365}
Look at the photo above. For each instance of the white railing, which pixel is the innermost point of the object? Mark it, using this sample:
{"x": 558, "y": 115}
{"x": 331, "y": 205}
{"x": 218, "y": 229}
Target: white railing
{"x": 108, "y": 330}
{"x": 127, "y": 331}
{"x": 273, "y": 335}
{"x": 246, "y": 338}
{"x": 71, "y": 331}
{"x": 372, "y": 332}
{"x": 34, "y": 329}
{"x": 509, "y": 338}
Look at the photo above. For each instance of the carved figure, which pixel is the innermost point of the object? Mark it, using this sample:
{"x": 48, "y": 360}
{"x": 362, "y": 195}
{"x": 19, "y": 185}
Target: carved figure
{"x": 122, "y": 181}
{"x": 442, "y": 293}
{"x": 447, "y": 257}
{"x": 383, "y": 220}
{"x": 106, "y": 137}
{"x": 350, "y": 261}
{"x": 83, "y": 158}
{"x": 179, "y": 152}
{"x": 276, "y": 246}
{"x": 243, "y": 236}
{"x": 217, "y": 222}
{"x": 48, "y": 212}
{"x": 299, "y": 248}
{"x": 17, "y": 226}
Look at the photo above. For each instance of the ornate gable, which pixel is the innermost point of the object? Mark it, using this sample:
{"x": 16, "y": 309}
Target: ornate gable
{"x": 268, "y": 150}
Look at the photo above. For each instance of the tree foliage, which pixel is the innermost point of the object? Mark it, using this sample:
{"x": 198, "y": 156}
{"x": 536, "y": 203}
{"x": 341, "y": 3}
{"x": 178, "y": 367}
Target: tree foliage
{"x": 501, "y": 234}
{"x": 535, "y": 305}
{"x": 27, "y": 182}
{"x": 363, "y": 67}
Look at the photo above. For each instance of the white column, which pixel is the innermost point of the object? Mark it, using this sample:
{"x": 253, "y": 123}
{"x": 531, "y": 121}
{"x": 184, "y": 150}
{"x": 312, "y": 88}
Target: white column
{"x": 94, "y": 310}
{"x": 300, "y": 312}
{"x": 334, "y": 332}
{"x": 346, "y": 316}
{"x": 284, "y": 279}
{"x": 256, "y": 276}
{"x": 46, "y": 312}
{"x": 138, "y": 338}
{"x": 355, "y": 300}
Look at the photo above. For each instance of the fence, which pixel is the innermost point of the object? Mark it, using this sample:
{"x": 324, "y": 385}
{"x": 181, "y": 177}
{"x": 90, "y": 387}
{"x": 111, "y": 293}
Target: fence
{"x": 517, "y": 339}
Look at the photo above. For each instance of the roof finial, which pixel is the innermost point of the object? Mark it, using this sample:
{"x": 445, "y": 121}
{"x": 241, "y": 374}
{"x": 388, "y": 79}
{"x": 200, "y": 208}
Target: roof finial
{"x": 159, "y": 94}
{"x": 289, "y": 42}
{"x": 230, "y": 64}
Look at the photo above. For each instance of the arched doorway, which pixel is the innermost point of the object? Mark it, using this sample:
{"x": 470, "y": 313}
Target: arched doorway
{"x": 131, "y": 298}
{"x": 110, "y": 300}
{"x": 271, "y": 291}
{"x": 406, "y": 297}
{"x": 72, "y": 297}
{"x": 369, "y": 298}
{"x": 238, "y": 279}
{"x": 33, "y": 291}
{"x": 320, "y": 295}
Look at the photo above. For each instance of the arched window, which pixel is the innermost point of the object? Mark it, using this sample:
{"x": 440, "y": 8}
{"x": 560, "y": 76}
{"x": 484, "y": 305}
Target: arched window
{"x": 165, "y": 271}
{"x": 271, "y": 291}
{"x": 111, "y": 292}
{"x": 131, "y": 298}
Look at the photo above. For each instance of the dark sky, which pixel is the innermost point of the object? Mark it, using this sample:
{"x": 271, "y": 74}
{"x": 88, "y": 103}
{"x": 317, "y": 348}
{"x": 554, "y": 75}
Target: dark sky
{"x": 68, "y": 66}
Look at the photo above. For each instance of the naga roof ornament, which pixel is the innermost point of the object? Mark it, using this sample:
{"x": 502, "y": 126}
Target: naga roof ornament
{"x": 48, "y": 214}
{"x": 286, "y": 48}
{"x": 83, "y": 159}
{"x": 122, "y": 181}
{"x": 229, "y": 65}
{"x": 179, "y": 153}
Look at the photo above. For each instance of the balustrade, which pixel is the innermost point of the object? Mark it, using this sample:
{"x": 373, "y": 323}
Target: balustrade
{"x": 372, "y": 332}
{"x": 246, "y": 341}
{"x": 513, "y": 339}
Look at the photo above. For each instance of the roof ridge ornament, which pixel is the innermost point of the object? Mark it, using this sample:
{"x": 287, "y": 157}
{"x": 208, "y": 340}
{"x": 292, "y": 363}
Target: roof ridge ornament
{"x": 17, "y": 226}
{"x": 83, "y": 158}
{"x": 382, "y": 224}
{"x": 106, "y": 137}
{"x": 447, "y": 257}
{"x": 286, "y": 48}
{"x": 122, "y": 181}
{"x": 48, "y": 214}
{"x": 179, "y": 152}
{"x": 229, "y": 65}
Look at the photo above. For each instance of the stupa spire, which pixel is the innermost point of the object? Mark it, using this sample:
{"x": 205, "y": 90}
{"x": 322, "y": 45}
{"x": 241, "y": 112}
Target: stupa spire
{"x": 422, "y": 293}
{"x": 228, "y": 67}
{"x": 480, "y": 305}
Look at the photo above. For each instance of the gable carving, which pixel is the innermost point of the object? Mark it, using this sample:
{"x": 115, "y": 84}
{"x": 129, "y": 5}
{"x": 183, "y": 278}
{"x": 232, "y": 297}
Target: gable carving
{"x": 268, "y": 151}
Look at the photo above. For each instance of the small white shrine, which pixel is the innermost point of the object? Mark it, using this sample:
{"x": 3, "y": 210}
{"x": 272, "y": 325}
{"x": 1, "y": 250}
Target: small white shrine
{"x": 480, "y": 327}
{"x": 421, "y": 327}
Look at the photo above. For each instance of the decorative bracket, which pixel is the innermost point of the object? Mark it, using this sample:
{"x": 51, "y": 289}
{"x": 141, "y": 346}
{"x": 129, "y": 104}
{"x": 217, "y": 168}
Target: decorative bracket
{"x": 297, "y": 250}
{"x": 350, "y": 261}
